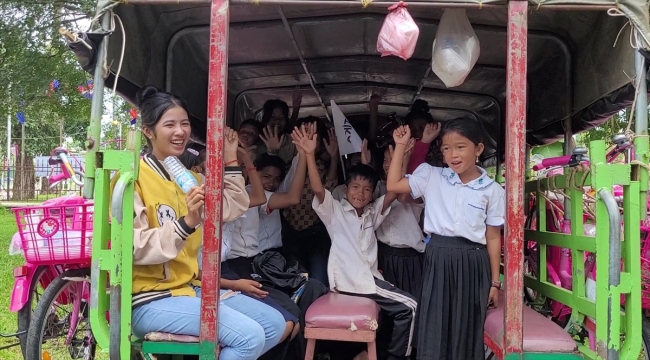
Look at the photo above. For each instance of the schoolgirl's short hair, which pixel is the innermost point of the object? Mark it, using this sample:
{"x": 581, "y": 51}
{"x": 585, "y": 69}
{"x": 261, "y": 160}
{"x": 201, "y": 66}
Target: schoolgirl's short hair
{"x": 465, "y": 126}
{"x": 253, "y": 123}
{"x": 362, "y": 171}
{"x": 189, "y": 160}
{"x": 419, "y": 110}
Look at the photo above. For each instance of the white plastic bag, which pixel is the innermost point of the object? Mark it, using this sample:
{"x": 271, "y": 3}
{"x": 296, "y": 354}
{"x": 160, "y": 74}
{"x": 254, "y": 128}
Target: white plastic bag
{"x": 399, "y": 34}
{"x": 455, "y": 48}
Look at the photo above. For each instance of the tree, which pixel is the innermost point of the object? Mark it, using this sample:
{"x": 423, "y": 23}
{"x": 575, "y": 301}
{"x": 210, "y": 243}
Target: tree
{"x": 32, "y": 55}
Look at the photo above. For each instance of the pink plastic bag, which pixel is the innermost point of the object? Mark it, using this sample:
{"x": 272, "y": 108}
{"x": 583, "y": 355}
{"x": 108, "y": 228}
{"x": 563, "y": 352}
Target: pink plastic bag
{"x": 399, "y": 34}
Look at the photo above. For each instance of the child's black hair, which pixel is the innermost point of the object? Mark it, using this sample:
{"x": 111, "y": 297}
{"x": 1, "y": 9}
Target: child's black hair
{"x": 189, "y": 160}
{"x": 269, "y": 106}
{"x": 419, "y": 110}
{"x": 465, "y": 126}
{"x": 253, "y": 123}
{"x": 362, "y": 171}
{"x": 266, "y": 160}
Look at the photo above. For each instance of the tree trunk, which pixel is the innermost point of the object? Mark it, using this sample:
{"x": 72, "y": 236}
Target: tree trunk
{"x": 25, "y": 181}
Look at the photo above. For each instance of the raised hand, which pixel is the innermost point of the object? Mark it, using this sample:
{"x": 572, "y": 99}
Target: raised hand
{"x": 332, "y": 146}
{"x": 366, "y": 156}
{"x": 272, "y": 138}
{"x": 231, "y": 143}
{"x": 431, "y": 132}
{"x": 305, "y": 139}
{"x": 401, "y": 135}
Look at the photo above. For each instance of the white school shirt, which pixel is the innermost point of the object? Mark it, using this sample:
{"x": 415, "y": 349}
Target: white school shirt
{"x": 270, "y": 225}
{"x": 401, "y": 227}
{"x": 226, "y": 244}
{"x": 352, "y": 264}
{"x": 243, "y": 234}
{"x": 456, "y": 209}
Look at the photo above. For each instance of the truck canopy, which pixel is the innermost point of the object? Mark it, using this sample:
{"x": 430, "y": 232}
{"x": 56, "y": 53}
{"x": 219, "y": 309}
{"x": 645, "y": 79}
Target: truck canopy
{"x": 580, "y": 62}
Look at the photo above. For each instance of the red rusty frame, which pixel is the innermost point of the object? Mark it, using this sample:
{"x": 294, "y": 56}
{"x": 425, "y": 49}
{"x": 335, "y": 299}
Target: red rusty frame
{"x": 516, "y": 70}
{"x": 217, "y": 93}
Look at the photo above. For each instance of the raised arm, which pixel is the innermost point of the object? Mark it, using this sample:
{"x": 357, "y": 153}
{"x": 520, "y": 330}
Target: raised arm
{"x": 307, "y": 139}
{"x": 257, "y": 196}
{"x": 332, "y": 147}
{"x": 280, "y": 200}
{"x": 235, "y": 197}
{"x": 395, "y": 182}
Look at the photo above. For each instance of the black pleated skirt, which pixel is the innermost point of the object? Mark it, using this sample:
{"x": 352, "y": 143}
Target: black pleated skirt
{"x": 401, "y": 267}
{"x": 454, "y": 300}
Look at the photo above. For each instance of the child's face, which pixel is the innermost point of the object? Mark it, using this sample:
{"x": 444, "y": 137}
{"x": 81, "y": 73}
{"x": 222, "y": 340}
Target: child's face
{"x": 271, "y": 178}
{"x": 459, "y": 152}
{"x": 387, "y": 159}
{"x": 359, "y": 192}
{"x": 248, "y": 135}
{"x": 278, "y": 119}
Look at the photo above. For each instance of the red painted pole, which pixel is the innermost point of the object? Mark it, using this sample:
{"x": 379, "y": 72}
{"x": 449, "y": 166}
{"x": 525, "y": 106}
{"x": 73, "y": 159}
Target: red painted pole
{"x": 515, "y": 168}
{"x": 217, "y": 93}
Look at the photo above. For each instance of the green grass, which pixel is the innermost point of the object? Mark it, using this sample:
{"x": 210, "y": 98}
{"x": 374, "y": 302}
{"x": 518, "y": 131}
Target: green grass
{"x": 7, "y": 263}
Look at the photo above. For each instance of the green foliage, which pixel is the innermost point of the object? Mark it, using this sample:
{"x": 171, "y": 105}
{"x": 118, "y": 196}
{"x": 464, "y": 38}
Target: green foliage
{"x": 615, "y": 125}
{"x": 32, "y": 55}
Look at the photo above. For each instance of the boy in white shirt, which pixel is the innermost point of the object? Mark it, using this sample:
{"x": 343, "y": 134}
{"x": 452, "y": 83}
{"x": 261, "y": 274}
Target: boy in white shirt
{"x": 351, "y": 224}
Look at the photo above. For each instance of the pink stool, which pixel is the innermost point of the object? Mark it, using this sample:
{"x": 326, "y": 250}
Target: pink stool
{"x": 341, "y": 318}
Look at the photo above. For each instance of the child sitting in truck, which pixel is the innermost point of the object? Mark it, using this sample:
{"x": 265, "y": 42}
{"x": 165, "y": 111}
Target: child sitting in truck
{"x": 351, "y": 224}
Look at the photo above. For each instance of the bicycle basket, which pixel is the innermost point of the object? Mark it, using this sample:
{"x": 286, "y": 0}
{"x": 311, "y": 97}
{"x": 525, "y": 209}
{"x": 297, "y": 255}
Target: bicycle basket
{"x": 56, "y": 234}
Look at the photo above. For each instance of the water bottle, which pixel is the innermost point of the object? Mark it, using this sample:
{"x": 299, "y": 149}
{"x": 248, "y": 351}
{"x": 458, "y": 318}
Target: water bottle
{"x": 181, "y": 175}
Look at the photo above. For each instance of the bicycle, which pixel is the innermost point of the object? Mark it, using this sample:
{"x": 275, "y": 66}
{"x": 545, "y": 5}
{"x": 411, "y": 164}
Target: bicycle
{"x": 559, "y": 259}
{"x": 55, "y": 241}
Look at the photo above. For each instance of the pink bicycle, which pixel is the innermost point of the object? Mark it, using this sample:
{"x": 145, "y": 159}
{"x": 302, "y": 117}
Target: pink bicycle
{"x": 559, "y": 260}
{"x": 55, "y": 241}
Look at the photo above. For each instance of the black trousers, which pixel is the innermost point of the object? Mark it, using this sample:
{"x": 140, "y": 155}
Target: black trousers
{"x": 399, "y": 307}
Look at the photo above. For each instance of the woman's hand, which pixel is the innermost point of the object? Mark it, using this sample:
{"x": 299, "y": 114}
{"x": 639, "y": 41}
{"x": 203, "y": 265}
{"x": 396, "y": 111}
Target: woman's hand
{"x": 231, "y": 143}
{"x": 194, "y": 199}
{"x": 493, "y": 299}
{"x": 272, "y": 138}
{"x": 250, "y": 287}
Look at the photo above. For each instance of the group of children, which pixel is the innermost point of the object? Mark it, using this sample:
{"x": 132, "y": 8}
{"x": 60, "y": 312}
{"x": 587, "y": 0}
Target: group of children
{"x": 360, "y": 238}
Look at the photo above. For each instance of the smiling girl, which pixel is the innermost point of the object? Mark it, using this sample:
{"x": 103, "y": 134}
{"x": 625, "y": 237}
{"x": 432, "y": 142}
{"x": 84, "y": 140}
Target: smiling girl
{"x": 463, "y": 214}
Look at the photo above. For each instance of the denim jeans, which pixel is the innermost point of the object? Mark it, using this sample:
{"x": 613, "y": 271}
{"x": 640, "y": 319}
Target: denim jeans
{"x": 247, "y": 328}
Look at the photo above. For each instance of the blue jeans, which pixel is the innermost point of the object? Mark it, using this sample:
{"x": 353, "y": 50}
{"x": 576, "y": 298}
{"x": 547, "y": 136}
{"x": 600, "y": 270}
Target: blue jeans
{"x": 247, "y": 328}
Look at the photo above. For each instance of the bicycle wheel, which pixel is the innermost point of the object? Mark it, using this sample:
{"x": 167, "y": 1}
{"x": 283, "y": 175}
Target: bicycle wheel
{"x": 24, "y": 315}
{"x": 53, "y": 332}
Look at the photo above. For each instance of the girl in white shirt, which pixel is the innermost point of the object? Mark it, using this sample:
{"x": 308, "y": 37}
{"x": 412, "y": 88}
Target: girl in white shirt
{"x": 464, "y": 211}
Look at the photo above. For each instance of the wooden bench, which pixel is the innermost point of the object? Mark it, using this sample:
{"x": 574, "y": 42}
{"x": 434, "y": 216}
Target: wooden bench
{"x": 342, "y": 318}
{"x": 541, "y": 334}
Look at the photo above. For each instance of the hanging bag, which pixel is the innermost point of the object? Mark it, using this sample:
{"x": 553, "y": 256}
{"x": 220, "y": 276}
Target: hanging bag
{"x": 399, "y": 34}
{"x": 455, "y": 49}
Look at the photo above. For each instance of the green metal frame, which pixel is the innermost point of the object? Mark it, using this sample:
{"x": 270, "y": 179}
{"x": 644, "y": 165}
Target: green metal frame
{"x": 601, "y": 175}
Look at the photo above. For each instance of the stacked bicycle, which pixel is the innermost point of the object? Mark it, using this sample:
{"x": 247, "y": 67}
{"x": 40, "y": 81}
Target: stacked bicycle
{"x": 51, "y": 290}
{"x": 559, "y": 260}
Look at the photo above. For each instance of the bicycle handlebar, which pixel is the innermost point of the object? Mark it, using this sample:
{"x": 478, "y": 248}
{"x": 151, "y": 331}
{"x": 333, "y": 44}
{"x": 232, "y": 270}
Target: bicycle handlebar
{"x": 554, "y": 161}
{"x": 60, "y": 156}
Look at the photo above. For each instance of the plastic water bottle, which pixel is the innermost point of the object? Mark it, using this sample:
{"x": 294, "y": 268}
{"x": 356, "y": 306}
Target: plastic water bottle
{"x": 181, "y": 175}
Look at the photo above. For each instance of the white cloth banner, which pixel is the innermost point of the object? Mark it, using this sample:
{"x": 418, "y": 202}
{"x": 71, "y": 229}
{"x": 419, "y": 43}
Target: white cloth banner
{"x": 348, "y": 139}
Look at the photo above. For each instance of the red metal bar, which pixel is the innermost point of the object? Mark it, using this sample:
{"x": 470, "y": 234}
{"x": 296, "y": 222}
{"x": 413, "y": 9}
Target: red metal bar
{"x": 515, "y": 170}
{"x": 217, "y": 92}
